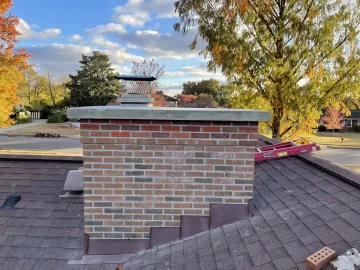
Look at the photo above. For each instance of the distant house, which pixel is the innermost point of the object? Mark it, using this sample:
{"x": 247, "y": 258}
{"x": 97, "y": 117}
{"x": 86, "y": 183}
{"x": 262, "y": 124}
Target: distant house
{"x": 170, "y": 101}
{"x": 352, "y": 120}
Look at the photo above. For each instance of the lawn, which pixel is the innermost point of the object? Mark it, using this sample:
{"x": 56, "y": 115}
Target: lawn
{"x": 63, "y": 129}
{"x": 354, "y": 167}
{"x": 351, "y": 139}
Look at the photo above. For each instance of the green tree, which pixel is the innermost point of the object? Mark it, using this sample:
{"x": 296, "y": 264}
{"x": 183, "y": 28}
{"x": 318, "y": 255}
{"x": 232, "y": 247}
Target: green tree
{"x": 206, "y": 99}
{"x": 94, "y": 83}
{"x": 32, "y": 87}
{"x": 294, "y": 57}
{"x": 209, "y": 87}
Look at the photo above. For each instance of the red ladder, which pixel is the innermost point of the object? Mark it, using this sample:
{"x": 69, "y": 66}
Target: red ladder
{"x": 284, "y": 149}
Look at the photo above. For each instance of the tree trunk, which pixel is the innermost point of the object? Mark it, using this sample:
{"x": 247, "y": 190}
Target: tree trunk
{"x": 52, "y": 94}
{"x": 275, "y": 125}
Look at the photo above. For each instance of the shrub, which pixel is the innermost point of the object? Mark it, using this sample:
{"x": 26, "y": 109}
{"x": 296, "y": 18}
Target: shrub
{"x": 23, "y": 118}
{"x": 322, "y": 128}
{"x": 55, "y": 118}
{"x": 58, "y": 116}
{"x": 45, "y": 113}
{"x": 356, "y": 128}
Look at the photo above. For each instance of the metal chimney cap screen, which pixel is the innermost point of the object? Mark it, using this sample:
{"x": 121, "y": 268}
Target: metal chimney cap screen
{"x": 136, "y": 85}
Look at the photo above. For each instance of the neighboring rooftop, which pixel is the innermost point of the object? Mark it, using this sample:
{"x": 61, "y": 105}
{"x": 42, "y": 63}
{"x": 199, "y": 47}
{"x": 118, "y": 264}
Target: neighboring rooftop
{"x": 299, "y": 208}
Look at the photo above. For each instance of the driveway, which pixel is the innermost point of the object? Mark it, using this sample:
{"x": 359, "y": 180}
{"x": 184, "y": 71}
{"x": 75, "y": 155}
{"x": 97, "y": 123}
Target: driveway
{"x": 69, "y": 146}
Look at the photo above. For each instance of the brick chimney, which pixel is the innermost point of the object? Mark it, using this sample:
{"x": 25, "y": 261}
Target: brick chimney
{"x": 156, "y": 175}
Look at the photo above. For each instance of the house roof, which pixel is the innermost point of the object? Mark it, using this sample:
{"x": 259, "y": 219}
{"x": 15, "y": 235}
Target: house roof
{"x": 298, "y": 210}
{"x": 354, "y": 114}
{"x": 44, "y": 231}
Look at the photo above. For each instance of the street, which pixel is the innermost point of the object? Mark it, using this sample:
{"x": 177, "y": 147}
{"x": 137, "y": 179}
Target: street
{"x": 72, "y": 146}
{"x": 62, "y": 145}
{"x": 340, "y": 156}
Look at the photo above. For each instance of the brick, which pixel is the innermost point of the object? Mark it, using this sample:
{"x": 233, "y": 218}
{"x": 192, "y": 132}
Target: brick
{"x": 220, "y": 136}
{"x": 166, "y": 141}
{"x": 191, "y": 128}
{"x": 321, "y": 258}
{"x": 113, "y": 160}
{"x": 170, "y": 128}
{"x": 110, "y": 127}
{"x": 143, "y": 154}
{"x": 133, "y": 186}
{"x": 174, "y": 199}
{"x": 134, "y": 211}
{"x": 120, "y": 121}
{"x": 163, "y": 192}
{"x": 143, "y": 179}
{"x": 150, "y": 128}
{"x": 160, "y": 135}
{"x": 134, "y": 198}
{"x": 161, "y": 122}
{"x": 140, "y": 122}
{"x": 180, "y": 135}
{"x": 239, "y": 136}
{"x": 113, "y": 223}
{"x": 223, "y": 168}
{"x": 204, "y": 180}
{"x": 125, "y": 141}
{"x": 211, "y": 129}
{"x": 130, "y": 127}
{"x": 113, "y": 186}
{"x": 200, "y": 135}
{"x": 154, "y": 199}
{"x": 120, "y": 134}
{"x": 194, "y": 161}
{"x": 194, "y": 174}
{"x": 183, "y": 205}
{"x": 99, "y": 121}
{"x": 89, "y": 126}
{"x": 229, "y": 129}
{"x": 105, "y": 140}
{"x": 248, "y": 129}
{"x": 99, "y": 133}
{"x": 123, "y": 192}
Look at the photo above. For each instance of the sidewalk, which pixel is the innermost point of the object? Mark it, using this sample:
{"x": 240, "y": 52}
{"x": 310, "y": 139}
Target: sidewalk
{"x": 15, "y": 127}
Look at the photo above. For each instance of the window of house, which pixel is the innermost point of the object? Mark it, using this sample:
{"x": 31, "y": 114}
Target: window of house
{"x": 348, "y": 123}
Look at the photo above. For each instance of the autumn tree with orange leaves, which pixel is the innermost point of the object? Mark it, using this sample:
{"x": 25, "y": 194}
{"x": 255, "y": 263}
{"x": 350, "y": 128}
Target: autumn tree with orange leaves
{"x": 290, "y": 57}
{"x": 333, "y": 119}
{"x": 11, "y": 64}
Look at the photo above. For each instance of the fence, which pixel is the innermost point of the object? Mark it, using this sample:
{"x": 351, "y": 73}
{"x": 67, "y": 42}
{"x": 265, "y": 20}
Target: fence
{"x": 35, "y": 114}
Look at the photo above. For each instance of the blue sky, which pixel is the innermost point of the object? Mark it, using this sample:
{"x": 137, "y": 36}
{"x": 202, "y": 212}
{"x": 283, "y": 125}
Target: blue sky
{"x": 57, "y": 32}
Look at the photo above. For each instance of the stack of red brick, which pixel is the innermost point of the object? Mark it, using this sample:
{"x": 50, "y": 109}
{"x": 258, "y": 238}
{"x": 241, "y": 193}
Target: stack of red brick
{"x": 144, "y": 173}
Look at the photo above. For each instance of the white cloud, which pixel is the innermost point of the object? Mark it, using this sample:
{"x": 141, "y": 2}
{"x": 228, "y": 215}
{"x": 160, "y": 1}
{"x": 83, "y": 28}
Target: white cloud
{"x": 131, "y": 46}
{"x": 195, "y": 73}
{"x": 65, "y": 57}
{"x": 162, "y": 45}
{"x": 27, "y": 32}
{"x": 138, "y": 12}
{"x": 147, "y": 32}
{"x": 75, "y": 38}
{"x": 107, "y": 28}
{"x": 132, "y": 14}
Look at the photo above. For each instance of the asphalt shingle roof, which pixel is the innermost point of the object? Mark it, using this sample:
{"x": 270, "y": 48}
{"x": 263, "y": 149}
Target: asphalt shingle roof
{"x": 298, "y": 210}
{"x": 44, "y": 231}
